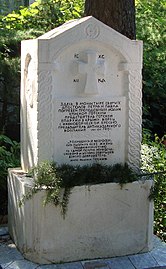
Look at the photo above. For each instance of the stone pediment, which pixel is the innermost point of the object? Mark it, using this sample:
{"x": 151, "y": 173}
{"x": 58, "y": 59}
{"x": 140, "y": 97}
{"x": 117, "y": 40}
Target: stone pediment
{"x": 92, "y": 29}
{"x": 90, "y": 23}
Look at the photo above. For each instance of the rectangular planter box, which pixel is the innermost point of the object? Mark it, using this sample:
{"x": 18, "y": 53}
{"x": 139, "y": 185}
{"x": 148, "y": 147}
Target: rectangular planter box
{"x": 102, "y": 221}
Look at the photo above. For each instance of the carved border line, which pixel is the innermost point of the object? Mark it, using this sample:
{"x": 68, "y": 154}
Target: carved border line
{"x": 135, "y": 119}
{"x": 45, "y": 116}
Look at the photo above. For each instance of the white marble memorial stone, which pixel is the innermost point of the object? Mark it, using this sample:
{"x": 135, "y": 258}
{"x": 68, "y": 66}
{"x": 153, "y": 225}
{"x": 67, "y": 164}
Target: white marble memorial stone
{"x": 81, "y": 96}
{"x": 81, "y": 104}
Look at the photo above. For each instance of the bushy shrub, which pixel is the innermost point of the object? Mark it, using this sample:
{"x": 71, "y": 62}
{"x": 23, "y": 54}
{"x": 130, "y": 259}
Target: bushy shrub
{"x": 10, "y": 49}
{"x": 151, "y": 28}
{"x": 154, "y": 161}
{"x": 43, "y": 14}
{"x": 9, "y": 157}
{"x": 25, "y": 23}
{"x": 8, "y": 5}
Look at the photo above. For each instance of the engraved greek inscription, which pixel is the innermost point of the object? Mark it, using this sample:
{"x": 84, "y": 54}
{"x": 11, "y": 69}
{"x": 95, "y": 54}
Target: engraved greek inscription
{"x": 101, "y": 80}
{"x": 101, "y": 56}
{"x": 76, "y": 55}
{"x": 76, "y": 80}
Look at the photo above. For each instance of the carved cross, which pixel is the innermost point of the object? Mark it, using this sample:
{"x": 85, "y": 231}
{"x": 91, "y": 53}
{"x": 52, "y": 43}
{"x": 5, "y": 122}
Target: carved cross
{"x": 92, "y": 67}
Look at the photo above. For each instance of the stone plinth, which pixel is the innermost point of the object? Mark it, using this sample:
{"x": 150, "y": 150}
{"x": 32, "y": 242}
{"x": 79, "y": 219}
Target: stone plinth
{"x": 102, "y": 221}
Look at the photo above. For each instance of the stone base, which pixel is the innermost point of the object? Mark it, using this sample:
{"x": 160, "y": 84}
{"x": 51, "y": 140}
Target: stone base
{"x": 101, "y": 221}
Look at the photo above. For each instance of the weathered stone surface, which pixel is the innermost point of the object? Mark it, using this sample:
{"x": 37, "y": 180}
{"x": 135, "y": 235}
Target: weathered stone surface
{"x": 52, "y": 266}
{"x": 95, "y": 265}
{"x": 158, "y": 267}
{"x": 3, "y": 231}
{"x": 159, "y": 255}
{"x": 72, "y": 265}
{"x": 122, "y": 263}
{"x": 8, "y": 256}
{"x": 143, "y": 261}
{"x": 22, "y": 264}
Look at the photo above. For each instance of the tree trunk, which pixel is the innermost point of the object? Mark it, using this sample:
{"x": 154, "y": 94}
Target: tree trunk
{"x": 118, "y": 14}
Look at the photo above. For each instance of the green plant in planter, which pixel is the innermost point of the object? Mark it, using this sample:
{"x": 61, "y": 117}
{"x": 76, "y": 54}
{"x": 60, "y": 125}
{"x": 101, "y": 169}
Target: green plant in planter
{"x": 59, "y": 180}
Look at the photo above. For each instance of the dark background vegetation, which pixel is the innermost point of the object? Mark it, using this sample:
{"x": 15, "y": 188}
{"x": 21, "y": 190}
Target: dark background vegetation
{"x": 42, "y": 16}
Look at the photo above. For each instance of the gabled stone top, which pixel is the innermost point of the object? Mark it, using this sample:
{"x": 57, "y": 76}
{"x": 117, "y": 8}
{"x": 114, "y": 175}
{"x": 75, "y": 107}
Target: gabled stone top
{"x": 64, "y": 27}
{"x": 89, "y": 28}
{"x": 74, "y": 23}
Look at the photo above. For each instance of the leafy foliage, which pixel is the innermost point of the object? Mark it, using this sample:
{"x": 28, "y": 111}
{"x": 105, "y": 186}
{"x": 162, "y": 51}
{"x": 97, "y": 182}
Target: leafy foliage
{"x": 43, "y": 15}
{"x": 10, "y": 47}
{"x": 154, "y": 161}
{"x": 9, "y": 157}
{"x": 151, "y": 28}
{"x": 55, "y": 178}
{"x": 8, "y": 5}
{"x": 25, "y": 23}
